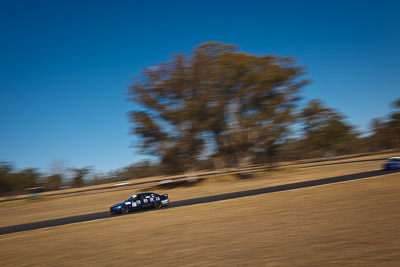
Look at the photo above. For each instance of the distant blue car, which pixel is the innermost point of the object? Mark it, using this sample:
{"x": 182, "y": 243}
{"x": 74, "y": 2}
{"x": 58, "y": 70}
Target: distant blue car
{"x": 392, "y": 164}
{"x": 140, "y": 201}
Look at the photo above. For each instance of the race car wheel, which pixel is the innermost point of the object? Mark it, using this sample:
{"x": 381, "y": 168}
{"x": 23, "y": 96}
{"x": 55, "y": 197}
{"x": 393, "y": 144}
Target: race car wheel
{"x": 157, "y": 205}
{"x": 124, "y": 210}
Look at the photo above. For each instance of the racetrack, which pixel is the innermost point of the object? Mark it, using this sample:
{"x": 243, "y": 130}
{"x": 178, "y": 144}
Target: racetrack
{"x": 200, "y": 176}
{"x": 194, "y": 201}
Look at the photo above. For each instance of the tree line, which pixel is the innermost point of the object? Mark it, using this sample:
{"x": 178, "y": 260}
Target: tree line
{"x": 26, "y": 181}
{"x": 217, "y": 107}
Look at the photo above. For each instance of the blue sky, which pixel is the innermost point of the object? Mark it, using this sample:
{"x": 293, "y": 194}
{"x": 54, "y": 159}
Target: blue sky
{"x": 65, "y": 65}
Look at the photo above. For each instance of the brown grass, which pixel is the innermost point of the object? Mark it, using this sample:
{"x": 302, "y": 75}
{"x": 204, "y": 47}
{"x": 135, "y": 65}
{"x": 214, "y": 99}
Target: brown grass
{"x": 347, "y": 224}
{"x": 24, "y": 211}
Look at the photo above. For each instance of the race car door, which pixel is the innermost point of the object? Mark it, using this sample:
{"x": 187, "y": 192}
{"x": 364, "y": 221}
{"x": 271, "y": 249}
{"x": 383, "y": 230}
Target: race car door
{"x": 147, "y": 203}
{"x": 137, "y": 203}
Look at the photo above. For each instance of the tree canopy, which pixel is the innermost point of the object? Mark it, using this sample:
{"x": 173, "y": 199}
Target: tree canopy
{"x": 386, "y": 131}
{"x": 215, "y": 102}
{"x": 325, "y": 129}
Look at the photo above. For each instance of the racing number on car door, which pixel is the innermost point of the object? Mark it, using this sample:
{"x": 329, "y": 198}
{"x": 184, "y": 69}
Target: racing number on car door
{"x": 141, "y": 201}
{"x": 136, "y": 203}
{"x": 147, "y": 201}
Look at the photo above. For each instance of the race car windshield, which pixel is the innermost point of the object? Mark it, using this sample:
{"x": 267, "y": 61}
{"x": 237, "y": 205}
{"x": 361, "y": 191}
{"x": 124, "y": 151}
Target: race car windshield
{"x": 131, "y": 198}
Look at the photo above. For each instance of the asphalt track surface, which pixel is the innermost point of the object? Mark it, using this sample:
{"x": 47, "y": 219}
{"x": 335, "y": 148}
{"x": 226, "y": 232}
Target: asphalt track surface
{"x": 194, "y": 201}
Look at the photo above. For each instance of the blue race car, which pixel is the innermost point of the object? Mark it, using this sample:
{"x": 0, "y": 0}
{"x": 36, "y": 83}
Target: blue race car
{"x": 140, "y": 201}
{"x": 392, "y": 164}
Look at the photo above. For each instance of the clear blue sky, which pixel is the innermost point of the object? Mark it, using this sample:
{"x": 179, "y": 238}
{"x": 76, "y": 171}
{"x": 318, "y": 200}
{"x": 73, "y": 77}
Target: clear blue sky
{"x": 65, "y": 65}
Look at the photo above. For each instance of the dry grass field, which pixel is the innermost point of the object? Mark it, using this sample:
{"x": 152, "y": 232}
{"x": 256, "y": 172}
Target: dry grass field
{"x": 346, "y": 224}
{"x": 25, "y": 211}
